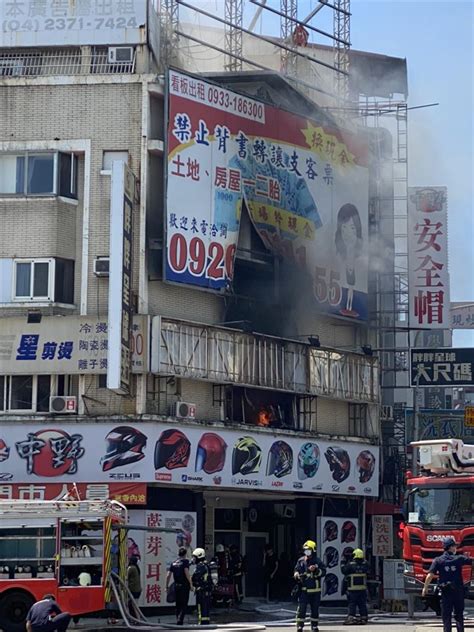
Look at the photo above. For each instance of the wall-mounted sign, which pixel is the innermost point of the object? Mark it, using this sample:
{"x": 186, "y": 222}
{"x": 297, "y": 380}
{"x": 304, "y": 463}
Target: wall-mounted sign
{"x": 382, "y": 536}
{"x": 442, "y": 367}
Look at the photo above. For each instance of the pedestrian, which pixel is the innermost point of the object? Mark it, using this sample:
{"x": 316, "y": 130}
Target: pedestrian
{"x": 179, "y": 571}
{"x": 355, "y": 573}
{"x": 237, "y": 572}
{"x": 203, "y": 585}
{"x": 448, "y": 567}
{"x": 270, "y": 568}
{"x": 46, "y": 616}
{"x": 309, "y": 571}
{"x": 134, "y": 582}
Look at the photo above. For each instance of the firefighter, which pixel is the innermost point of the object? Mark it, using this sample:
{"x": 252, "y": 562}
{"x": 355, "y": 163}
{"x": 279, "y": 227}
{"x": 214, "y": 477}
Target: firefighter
{"x": 308, "y": 572}
{"x": 355, "y": 580}
{"x": 203, "y": 585}
{"x": 448, "y": 567}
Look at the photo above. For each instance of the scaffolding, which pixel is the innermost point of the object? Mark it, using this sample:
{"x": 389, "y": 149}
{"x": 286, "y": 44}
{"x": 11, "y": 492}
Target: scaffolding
{"x": 342, "y": 27}
{"x": 289, "y": 17}
{"x": 233, "y": 13}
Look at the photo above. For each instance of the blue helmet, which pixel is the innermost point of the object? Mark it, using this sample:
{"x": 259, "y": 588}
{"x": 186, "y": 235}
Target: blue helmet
{"x": 308, "y": 460}
{"x": 448, "y": 542}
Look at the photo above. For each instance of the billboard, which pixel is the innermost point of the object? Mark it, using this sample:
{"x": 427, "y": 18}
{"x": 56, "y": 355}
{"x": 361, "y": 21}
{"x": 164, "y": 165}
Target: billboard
{"x": 382, "y": 536}
{"x": 66, "y": 345}
{"x": 187, "y": 456}
{"x": 438, "y": 424}
{"x": 26, "y": 23}
{"x": 428, "y": 277}
{"x": 303, "y": 184}
{"x": 338, "y": 537}
{"x": 127, "y": 493}
{"x": 443, "y": 367}
{"x": 462, "y": 315}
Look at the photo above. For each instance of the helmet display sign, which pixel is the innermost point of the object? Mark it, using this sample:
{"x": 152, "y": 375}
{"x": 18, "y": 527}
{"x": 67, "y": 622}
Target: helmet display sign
{"x": 365, "y": 465}
{"x": 124, "y": 445}
{"x": 340, "y": 539}
{"x": 280, "y": 459}
{"x": 211, "y": 451}
{"x": 247, "y": 456}
{"x": 308, "y": 461}
{"x": 172, "y": 450}
{"x": 339, "y": 463}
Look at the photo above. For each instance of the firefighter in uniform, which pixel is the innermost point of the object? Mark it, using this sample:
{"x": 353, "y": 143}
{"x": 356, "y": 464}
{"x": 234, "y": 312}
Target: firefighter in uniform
{"x": 448, "y": 567}
{"x": 203, "y": 585}
{"x": 355, "y": 580}
{"x": 237, "y": 571}
{"x": 309, "y": 571}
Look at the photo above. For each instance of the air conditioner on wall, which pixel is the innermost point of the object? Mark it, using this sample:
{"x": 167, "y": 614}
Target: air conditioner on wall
{"x": 120, "y": 54}
{"x": 62, "y": 405}
{"x": 184, "y": 410}
{"x": 102, "y": 267}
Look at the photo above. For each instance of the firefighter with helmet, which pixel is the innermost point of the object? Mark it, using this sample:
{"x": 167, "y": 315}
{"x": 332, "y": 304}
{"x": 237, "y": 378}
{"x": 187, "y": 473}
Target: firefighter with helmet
{"x": 355, "y": 581}
{"x": 202, "y": 584}
{"x": 309, "y": 571}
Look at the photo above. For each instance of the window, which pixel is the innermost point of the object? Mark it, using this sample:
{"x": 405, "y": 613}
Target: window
{"x": 358, "y": 420}
{"x": 44, "y": 280}
{"x": 260, "y": 407}
{"x": 108, "y": 158}
{"x": 41, "y": 173}
{"x": 31, "y": 393}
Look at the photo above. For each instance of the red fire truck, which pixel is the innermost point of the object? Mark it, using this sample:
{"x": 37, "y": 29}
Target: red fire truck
{"x": 440, "y": 503}
{"x": 66, "y": 548}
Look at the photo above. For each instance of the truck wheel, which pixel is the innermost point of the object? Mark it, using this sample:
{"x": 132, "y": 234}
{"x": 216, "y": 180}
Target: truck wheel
{"x": 14, "y": 607}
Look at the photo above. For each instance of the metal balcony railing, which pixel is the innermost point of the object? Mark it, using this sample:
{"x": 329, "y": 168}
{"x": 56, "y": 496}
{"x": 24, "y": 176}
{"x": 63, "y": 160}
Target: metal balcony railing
{"x": 227, "y": 356}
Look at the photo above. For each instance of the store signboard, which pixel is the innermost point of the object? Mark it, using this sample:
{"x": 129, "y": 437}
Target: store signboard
{"x": 27, "y": 23}
{"x": 439, "y": 424}
{"x": 442, "y": 367}
{"x": 338, "y": 537}
{"x": 126, "y": 493}
{"x": 462, "y": 315}
{"x": 382, "y": 536}
{"x": 187, "y": 456}
{"x": 304, "y": 184}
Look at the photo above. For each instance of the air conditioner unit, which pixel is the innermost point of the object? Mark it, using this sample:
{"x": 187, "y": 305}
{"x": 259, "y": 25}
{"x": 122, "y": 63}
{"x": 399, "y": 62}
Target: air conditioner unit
{"x": 185, "y": 410}
{"x": 62, "y": 405}
{"x": 102, "y": 266}
{"x": 120, "y": 54}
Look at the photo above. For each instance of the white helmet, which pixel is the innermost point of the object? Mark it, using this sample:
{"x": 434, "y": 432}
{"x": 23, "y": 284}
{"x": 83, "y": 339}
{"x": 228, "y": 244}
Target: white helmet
{"x": 199, "y": 553}
{"x": 220, "y": 548}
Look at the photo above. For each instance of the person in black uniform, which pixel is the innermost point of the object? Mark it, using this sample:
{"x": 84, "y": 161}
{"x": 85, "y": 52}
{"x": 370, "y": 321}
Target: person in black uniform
{"x": 202, "y": 583}
{"x": 308, "y": 572}
{"x": 270, "y": 569}
{"x": 448, "y": 567}
{"x": 237, "y": 570}
{"x": 46, "y": 616}
{"x": 179, "y": 570}
{"x": 355, "y": 572}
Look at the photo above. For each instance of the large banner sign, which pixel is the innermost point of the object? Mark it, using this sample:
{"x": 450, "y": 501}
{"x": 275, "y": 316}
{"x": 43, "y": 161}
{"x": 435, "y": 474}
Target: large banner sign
{"x": 304, "y": 186}
{"x": 443, "y": 367}
{"x": 462, "y": 315}
{"x": 428, "y": 277}
{"x": 186, "y": 456}
{"x": 438, "y": 424}
{"x": 338, "y": 537}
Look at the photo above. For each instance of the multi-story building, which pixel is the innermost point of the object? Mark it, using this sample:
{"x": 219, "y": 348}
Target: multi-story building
{"x": 244, "y": 411}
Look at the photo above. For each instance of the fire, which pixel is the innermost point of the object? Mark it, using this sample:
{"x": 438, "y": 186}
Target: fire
{"x": 263, "y": 418}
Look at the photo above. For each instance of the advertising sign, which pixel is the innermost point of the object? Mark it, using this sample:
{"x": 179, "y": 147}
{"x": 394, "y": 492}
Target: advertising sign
{"x": 428, "y": 277}
{"x": 445, "y": 367}
{"x": 187, "y": 456}
{"x": 127, "y": 493}
{"x": 439, "y": 424}
{"x": 382, "y": 536}
{"x": 462, "y": 316}
{"x": 303, "y": 184}
{"x": 25, "y": 23}
{"x": 338, "y": 538}
{"x": 65, "y": 345}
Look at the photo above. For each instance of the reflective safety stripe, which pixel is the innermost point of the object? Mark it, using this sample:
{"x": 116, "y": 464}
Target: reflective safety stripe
{"x": 357, "y": 586}
{"x": 312, "y": 590}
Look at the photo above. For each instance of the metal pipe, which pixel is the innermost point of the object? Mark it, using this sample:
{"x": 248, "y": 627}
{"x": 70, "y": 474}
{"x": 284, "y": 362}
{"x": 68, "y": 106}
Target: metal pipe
{"x": 269, "y": 40}
{"x": 311, "y": 15}
{"x": 257, "y": 15}
{"x": 306, "y": 26}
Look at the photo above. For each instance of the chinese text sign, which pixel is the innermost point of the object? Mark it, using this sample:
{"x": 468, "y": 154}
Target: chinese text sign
{"x": 443, "y": 367}
{"x": 382, "y": 536}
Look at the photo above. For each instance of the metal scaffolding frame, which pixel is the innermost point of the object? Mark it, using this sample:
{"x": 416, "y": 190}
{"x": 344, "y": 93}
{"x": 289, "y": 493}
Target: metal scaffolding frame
{"x": 289, "y": 16}
{"x": 169, "y": 14}
{"x": 342, "y": 28}
{"x": 233, "y": 13}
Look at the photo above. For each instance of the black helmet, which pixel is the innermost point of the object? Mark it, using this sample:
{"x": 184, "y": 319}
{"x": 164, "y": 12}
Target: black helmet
{"x": 331, "y": 557}
{"x": 331, "y": 584}
{"x": 308, "y": 460}
{"x": 365, "y": 465}
{"x": 330, "y": 531}
{"x": 246, "y": 457}
{"x": 172, "y": 450}
{"x": 280, "y": 459}
{"x": 348, "y": 533}
{"x": 347, "y": 553}
{"x": 124, "y": 445}
{"x": 339, "y": 463}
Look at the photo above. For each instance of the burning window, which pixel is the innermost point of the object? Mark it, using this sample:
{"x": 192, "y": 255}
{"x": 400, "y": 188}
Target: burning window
{"x": 262, "y": 408}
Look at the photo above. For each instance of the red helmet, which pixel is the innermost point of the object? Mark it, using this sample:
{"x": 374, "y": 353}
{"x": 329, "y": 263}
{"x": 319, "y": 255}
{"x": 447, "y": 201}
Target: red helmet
{"x": 4, "y": 451}
{"x": 348, "y": 532}
{"x": 365, "y": 465}
{"x": 172, "y": 450}
{"x": 124, "y": 445}
{"x": 210, "y": 455}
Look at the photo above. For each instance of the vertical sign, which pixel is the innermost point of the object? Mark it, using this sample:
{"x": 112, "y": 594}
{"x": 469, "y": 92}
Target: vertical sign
{"x": 120, "y": 280}
{"x": 428, "y": 277}
{"x": 338, "y": 537}
{"x": 382, "y": 536}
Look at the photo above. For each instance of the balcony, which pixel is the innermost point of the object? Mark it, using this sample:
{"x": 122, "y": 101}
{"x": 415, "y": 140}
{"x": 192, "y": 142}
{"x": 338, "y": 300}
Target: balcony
{"x": 227, "y": 356}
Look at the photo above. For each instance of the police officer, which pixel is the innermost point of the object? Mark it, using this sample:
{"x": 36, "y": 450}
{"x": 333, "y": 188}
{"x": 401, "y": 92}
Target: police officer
{"x": 237, "y": 570}
{"x": 308, "y": 572}
{"x": 203, "y": 584}
{"x": 448, "y": 567}
{"x": 355, "y": 572}
{"x": 179, "y": 570}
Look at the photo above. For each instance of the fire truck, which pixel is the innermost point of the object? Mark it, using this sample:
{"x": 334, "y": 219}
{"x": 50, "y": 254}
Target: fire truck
{"x": 439, "y": 503}
{"x": 67, "y": 548}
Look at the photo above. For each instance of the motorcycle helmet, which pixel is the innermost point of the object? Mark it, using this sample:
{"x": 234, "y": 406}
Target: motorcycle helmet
{"x": 348, "y": 533}
{"x": 4, "y": 451}
{"x": 280, "y": 460}
{"x": 172, "y": 450}
{"x": 347, "y": 554}
{"x": 308, "y": 460}
{"x": 331, "y": 557}
{"x": 210, "y": 455}
{"x": 246, "y": 457}
{"x": 220, "y": 548}
{"x": 124, "y": 445}
{"x": 331, "y": 584}
{"x": 183, "y": 539}
{"x": 339, "y": 463}
{"x": 365, "y": 465}
{"x": 199, "y": 554}
{"x": 330, "y": 531}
